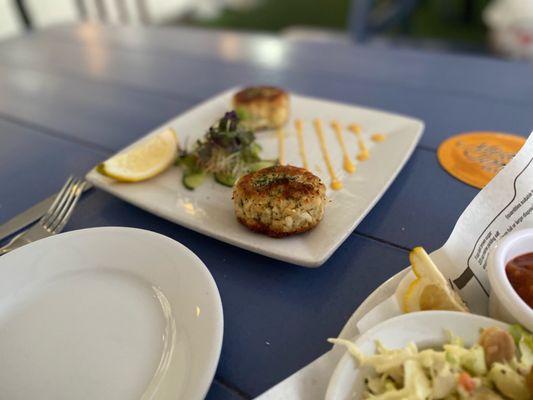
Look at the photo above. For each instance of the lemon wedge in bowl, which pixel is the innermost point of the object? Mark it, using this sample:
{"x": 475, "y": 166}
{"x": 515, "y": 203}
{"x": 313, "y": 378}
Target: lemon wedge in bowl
{"x": 143, "y": 161}
{"x": 430, "y": 290}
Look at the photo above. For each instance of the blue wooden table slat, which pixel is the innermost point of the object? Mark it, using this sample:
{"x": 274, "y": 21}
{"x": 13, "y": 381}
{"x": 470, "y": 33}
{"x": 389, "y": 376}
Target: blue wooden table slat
{"x": 403, "y": 216}
{"x": 71, "y": 96}
{"x": 34, "y": 165}
{"x": 90, "y": 112}
{"x": 438, "y": 71}
{"x": 445, "y": 113}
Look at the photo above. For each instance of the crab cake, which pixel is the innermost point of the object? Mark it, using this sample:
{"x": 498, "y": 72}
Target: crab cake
{"x": 262, "y": 107}
{"x": 279, "y": 201}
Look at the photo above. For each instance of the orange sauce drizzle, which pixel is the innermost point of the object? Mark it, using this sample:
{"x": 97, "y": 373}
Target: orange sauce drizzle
{"x": 363, "y": 151}
{"x": 336, "y": 184}
{"x": 347, "y": 163}
{"x": 298, "y": 124}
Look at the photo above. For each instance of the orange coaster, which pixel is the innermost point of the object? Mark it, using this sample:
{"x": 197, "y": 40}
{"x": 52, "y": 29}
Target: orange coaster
{"x": 476, "y": 157}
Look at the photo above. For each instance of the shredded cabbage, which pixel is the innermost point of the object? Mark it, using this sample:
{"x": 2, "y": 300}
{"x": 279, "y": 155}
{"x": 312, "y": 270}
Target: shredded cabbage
{"x": 453, "y": 372}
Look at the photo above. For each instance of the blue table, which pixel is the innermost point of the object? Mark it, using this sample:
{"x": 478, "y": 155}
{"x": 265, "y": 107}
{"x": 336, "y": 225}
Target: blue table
{"x": 71, "y": 96}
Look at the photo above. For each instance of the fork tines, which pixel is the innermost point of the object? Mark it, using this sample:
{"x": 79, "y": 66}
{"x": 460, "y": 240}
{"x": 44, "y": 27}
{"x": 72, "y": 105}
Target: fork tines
{"x": 59, "y": 212}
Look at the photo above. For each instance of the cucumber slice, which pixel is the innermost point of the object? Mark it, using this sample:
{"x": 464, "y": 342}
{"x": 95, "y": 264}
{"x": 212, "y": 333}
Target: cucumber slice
{"x": 256, "y": 166}
{"x": 191, "y": 180}
{"x": 225, "y": 179}
{"x": 188, "y": 161}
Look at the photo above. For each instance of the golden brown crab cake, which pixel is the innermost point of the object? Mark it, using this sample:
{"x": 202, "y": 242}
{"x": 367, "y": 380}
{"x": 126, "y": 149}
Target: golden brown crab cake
{"x": 262, "y": 107}
{"x": 279, "y": 201}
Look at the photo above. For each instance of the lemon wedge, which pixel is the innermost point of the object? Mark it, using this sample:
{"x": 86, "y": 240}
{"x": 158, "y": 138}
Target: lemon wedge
{"x": 143, "y": 161}
{"x": 430, "y": 290}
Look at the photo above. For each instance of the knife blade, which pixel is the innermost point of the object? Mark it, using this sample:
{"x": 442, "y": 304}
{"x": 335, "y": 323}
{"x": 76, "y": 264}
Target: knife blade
{"x": 29, "y": 216}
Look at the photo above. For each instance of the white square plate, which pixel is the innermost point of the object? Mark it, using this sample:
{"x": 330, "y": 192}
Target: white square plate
{"x": 209, "y": 208}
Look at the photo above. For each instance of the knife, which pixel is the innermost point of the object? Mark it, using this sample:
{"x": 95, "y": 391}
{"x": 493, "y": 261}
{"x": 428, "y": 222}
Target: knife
{"x": 29, "y": 216}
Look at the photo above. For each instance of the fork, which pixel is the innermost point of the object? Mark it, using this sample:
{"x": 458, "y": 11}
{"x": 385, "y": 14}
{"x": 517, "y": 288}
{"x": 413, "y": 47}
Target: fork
{"x": 54, "y": 220}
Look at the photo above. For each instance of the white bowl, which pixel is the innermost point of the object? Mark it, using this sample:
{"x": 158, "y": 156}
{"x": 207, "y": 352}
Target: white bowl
{"x": 504, "y": 302}
{"x": 425, "y": 329}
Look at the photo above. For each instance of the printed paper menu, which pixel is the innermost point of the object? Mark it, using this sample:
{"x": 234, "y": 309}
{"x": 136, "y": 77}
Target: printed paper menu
{"x": 504, "y": 205}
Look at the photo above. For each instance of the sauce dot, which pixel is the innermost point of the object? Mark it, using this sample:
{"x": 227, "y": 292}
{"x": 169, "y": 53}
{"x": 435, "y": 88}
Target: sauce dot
{"x": 336, "y": 185}
{"x": 378, "y": 137}
{"x": 363, "y": 156}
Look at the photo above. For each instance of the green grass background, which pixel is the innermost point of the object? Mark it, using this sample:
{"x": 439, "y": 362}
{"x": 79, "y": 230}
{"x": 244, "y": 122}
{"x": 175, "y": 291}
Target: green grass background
{"x": 447, "y": 20}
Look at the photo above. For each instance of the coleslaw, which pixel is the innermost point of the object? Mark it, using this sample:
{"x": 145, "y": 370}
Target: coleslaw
{"x": 499, "y": 366}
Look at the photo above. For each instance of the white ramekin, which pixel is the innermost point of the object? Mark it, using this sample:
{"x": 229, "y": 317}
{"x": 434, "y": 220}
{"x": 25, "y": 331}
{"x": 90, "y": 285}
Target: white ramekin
{"x": 504, "y": 302}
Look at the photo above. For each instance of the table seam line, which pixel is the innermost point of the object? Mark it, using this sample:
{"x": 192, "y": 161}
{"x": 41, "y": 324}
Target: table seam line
{"x": 382, "y": 241}
{"x": 232, "y": 388}
{"x": 43, "y": 130}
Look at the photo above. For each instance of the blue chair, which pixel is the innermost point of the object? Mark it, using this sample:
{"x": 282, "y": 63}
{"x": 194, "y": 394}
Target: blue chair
{"x": 371, "y": 17}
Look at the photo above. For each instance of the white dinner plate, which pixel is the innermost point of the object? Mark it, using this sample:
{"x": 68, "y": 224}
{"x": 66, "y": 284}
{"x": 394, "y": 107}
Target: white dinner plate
{"x": 209, "y": 208}
{"x": 425, "y": 329}
{"x": 107, "y": 313}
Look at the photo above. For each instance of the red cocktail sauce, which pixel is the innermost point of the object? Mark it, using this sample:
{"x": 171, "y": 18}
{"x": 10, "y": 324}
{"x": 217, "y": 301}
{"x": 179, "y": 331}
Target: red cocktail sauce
{"x": 520, "y": 273}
